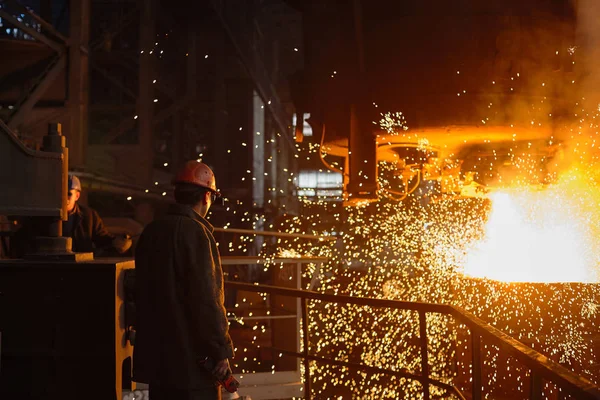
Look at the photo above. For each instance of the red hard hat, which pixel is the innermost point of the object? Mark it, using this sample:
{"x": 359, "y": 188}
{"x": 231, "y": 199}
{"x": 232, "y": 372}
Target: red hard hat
{"x": 196, "y": 173}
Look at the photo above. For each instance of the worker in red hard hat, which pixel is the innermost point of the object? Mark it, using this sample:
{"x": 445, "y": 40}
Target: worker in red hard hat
{"x": 85, "y": 226}
{"x": 180, "y": 314}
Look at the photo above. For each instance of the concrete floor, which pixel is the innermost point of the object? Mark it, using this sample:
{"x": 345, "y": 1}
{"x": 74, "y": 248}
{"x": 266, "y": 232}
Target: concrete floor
{"x": 141, "y": 393}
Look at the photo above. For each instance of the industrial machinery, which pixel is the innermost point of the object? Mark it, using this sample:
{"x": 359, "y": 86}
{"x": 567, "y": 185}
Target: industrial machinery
{"x": 447, "y": 100}
{"x": 63, "y": 327}
{"x": 434, "y": 90}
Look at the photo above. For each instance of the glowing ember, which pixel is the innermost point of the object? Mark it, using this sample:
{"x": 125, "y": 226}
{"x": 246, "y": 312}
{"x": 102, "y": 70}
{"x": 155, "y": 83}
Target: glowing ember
{"x": 289, "y": 253}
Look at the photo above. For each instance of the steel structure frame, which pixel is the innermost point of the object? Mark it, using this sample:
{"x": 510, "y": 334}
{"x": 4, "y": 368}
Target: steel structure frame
{"x": 79, "y": 54}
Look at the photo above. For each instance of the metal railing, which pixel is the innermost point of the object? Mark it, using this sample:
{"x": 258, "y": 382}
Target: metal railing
{"x": 249, "y": 232}
{"x": 541, "y": 367}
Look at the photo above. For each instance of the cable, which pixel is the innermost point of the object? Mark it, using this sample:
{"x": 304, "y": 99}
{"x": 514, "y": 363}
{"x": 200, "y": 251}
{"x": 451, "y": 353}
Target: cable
{"x": 406, "y": 191}
{"x": 329, "y": 166}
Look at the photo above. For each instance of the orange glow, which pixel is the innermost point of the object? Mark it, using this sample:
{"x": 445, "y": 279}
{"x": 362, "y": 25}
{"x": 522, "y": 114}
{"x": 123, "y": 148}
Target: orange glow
{"x": 546, "y": 235}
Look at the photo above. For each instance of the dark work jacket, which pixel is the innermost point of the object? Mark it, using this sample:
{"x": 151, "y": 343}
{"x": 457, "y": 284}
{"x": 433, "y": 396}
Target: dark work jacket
{"x": 181, "y": 317}
{"x": 88, "y": 230}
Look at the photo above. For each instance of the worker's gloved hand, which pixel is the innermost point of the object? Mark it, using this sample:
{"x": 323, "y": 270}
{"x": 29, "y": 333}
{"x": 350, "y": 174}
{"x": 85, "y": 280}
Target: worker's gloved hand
{"x": 122, "y": 243}
{"x": 221, "y": 369}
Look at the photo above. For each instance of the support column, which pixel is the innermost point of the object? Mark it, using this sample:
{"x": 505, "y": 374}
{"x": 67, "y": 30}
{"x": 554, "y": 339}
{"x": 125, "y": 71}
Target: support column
{"x": 362, "y": 154}
{"x": 78, "y": 81}
{"x": 220, "y": 135}
{"x": 182, "y": 151}
{"x": 147, "y": 74}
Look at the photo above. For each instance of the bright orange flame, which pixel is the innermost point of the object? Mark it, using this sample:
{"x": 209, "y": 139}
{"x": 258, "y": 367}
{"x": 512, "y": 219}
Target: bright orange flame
{"x": 539, "y": 236}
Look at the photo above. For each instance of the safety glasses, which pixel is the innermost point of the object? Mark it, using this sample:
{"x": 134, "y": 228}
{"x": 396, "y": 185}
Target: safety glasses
{"x": 214, "y": 196}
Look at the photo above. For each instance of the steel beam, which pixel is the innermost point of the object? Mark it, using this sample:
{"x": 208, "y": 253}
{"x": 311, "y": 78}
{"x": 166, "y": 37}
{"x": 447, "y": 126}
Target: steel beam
{"x": 122, "y": 127}
{"x": 51, "y": 114}
{"x": 127, "y": 61}
{"x": 113, "y": 80}
{"x": 182, "y": 144}
{"x": 147, "y": 68}
{"x": 48, "y": 27}
{"x": 171, "y": 110}
{"x": 115, "y": 29}
{"x": 59, "y": 48}
{"x": 220, "y": 136}
{"x": 128, "y": 123}
{"x": 166, "y": 89}
{"x": 253, "y": 64}
{"x": 23, "y": 109}
{"x": 78, "y": 81}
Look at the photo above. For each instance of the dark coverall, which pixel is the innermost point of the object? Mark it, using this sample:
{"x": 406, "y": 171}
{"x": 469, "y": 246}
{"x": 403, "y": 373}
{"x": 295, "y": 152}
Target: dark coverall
{"x": 181, "y": 318}
{"x": 87, "y": 230}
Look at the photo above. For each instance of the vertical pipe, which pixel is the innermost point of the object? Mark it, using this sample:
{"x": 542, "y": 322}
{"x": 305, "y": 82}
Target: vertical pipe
{"x": 305, "y": 350}
{"x": 476, "y": 361}
{"x": 424, "y": 355}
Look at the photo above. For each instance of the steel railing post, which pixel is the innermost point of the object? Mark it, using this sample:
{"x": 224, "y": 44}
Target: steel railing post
{"x": 535, "y": 392}
{"x": 424, "y": 354}
{"x": 476, "y": 361}
{"x": 305, "y": 349}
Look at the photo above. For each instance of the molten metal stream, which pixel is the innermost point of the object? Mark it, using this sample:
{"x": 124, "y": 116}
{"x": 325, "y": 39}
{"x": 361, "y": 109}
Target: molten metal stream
{"x": 545, "y": 235}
